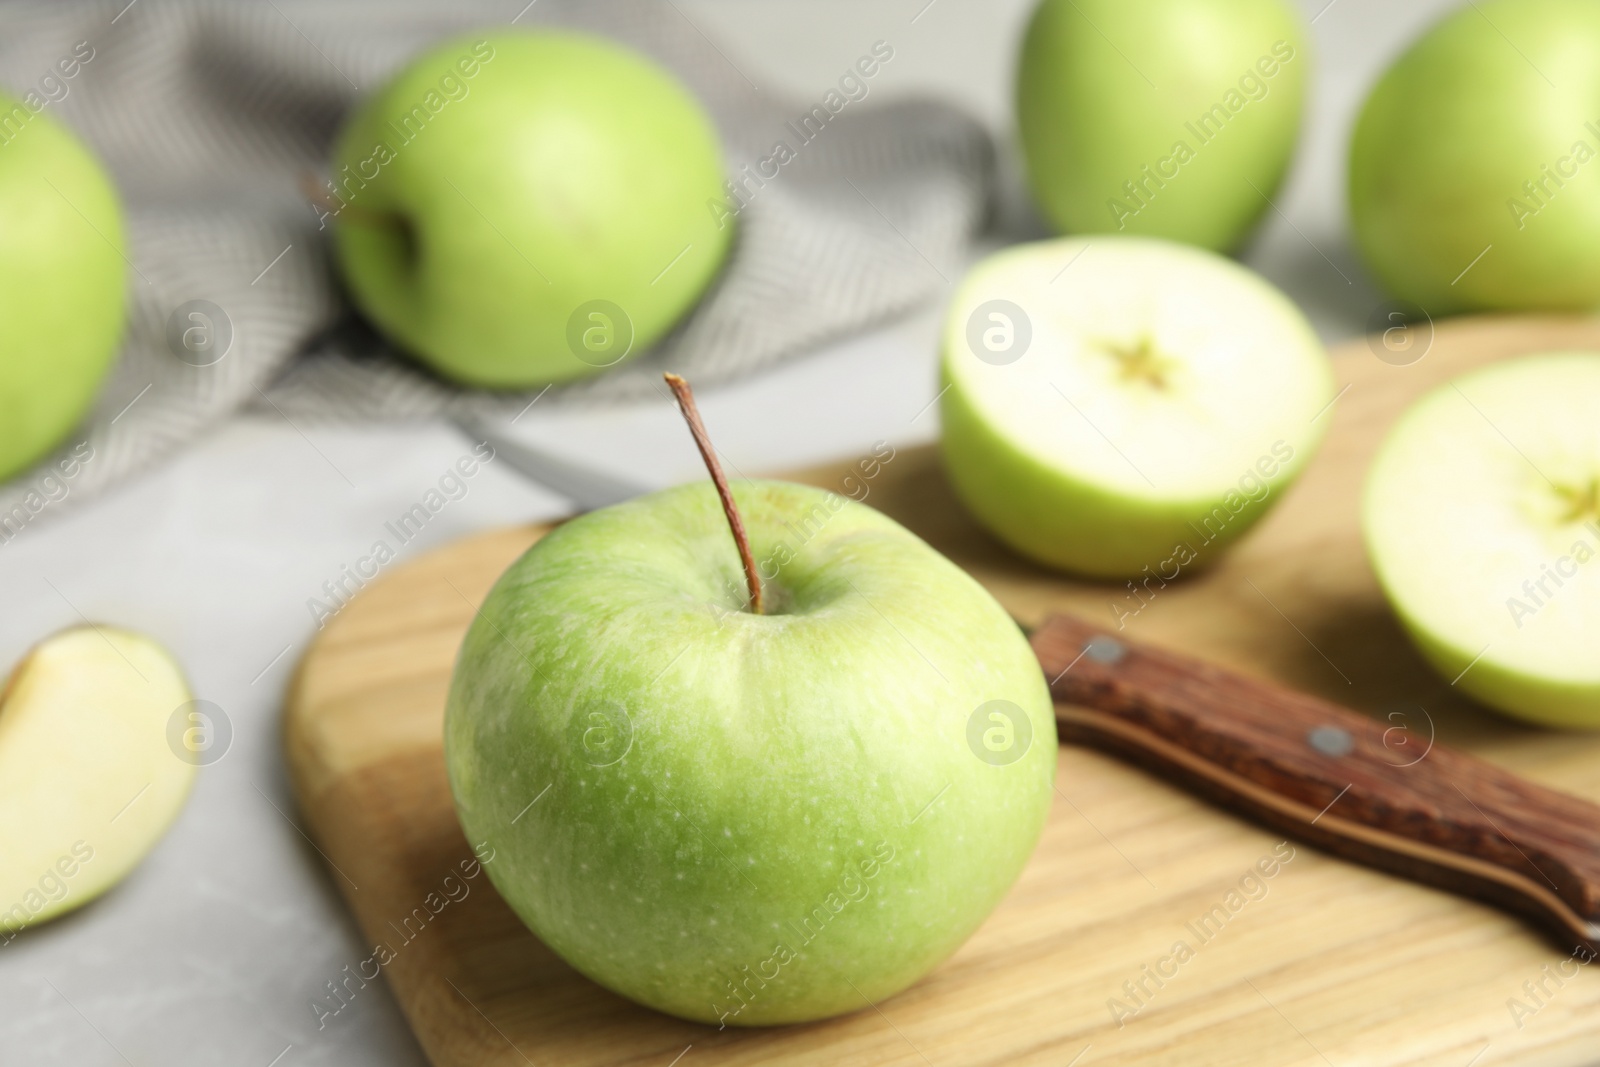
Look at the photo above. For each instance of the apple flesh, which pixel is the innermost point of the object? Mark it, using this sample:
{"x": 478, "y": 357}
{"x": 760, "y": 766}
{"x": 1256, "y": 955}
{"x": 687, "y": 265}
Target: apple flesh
{"x": 1472, "y": 177}
{"x": 1163, "y": 118}
{"x": 1482, "y": 520}
{"x": 1123, "y": 407}
{"x": 89, "y": 781}
{"x": 518, "y": 208}
{"x": 61, "y": 283}
{"x": 737, "y": 818}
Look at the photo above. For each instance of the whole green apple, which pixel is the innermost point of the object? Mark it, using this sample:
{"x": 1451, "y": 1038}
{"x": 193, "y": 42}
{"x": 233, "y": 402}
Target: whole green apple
{"x": 1166, "y": 118}
{"x": 1472, "y": 182}
{"x": 518, "y": 208}
{"x": 1482, "y": 520}
{"x": 1123, "y": 407}
{"x": 748, "y": 818}
{"x": 61, "y": 282}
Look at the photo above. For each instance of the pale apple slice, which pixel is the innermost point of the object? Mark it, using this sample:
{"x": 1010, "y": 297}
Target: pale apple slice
{"x": 1121, "y": 406}
{"x": 1482, "y": 518}
{"x": 89, "y": 780}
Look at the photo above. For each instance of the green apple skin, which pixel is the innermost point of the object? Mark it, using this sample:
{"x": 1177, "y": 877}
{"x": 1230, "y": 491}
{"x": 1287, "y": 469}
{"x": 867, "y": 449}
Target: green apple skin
{"x": 1040, "y": 498}
{"x": 562, "y": 170}
{"x": 1519, "y": 693}
{"x": 1090, "y": 121}
{"x": 1456, "y": 517}
{"x": 1068, "y": 523}
{"x": 62, "y": 286}
{"x": 777, "y": 764}
{"x": 1446, "y": 141}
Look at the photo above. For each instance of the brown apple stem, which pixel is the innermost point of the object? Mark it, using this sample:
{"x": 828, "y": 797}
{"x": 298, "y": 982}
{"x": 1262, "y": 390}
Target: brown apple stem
{"x": 315, "y": 191}
{"x": 697, "y": 427}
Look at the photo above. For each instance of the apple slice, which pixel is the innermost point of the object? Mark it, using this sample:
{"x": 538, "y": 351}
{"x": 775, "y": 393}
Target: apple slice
{"x": 1122, "y": 406}
{"x": 1482, "y": 518}
{"x": 88, "y": 779}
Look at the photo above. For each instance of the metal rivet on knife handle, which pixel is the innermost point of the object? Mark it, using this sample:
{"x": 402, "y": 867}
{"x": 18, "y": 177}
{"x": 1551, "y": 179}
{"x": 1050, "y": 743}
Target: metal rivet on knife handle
{"x": 1331, "y": 741}
{"x": 1103, "y": 649}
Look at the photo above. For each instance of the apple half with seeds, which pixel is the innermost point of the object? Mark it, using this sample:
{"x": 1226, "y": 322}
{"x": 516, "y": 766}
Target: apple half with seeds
{"x": 1482, "y": 519}
{"x": 1121, "y": 406}
{"x": 89, "y": 779}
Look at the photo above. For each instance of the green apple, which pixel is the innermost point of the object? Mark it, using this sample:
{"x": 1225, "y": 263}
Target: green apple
{"x": 61, "y": 282}
{"x": 1482, "y": 520}
{"x": 517, "y": 208}
{"x": 1472, "y": 176}
{"x": 748, "y": 818}
{"x": 1165, "y": 118}
{"x": 90, "y": 777}
{"x": 1121, "y": 407}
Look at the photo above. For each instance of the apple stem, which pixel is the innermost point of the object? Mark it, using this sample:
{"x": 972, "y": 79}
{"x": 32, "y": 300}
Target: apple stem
{"x": 702, "y": 440}
{"x": 313, "y": 190}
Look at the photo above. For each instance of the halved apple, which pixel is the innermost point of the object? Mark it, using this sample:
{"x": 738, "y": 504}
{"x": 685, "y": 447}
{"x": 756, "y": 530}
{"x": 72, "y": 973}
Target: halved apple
{"x": 1482, "y": 519}
{"x": 89, "y": 781}
{"x": 1121, "y": 405}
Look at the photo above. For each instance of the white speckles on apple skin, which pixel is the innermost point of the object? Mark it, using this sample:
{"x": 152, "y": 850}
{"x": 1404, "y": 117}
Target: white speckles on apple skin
{"x": 769, "y": 753}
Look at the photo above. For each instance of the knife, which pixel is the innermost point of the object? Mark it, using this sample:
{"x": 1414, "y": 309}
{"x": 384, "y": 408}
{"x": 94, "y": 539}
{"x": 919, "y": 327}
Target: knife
{"x": 1327, "y": 775}
{"x": 1304, "y": 766}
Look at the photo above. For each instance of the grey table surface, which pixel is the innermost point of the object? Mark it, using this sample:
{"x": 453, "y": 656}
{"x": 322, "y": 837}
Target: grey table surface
{"x": 211, "y": 952}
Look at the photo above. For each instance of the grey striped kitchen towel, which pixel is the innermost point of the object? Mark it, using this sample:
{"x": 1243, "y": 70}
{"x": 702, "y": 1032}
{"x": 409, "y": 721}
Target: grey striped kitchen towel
{"x": 208, "y": 113}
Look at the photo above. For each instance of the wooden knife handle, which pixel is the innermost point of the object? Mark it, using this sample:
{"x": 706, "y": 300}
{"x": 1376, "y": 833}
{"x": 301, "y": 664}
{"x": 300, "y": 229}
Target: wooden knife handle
{"x": 1378, "y": 793}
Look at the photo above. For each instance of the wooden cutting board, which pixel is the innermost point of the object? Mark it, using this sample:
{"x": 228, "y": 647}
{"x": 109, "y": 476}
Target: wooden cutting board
{"x": 1324, "y": 963}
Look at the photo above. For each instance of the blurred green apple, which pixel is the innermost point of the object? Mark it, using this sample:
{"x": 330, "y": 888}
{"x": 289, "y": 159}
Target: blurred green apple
{"x": 1123, "y": 407}
{"x": 62, "y": 287}
{"x": 518, "y": 208}
{"x": 748, "y": 818}
{"x": 1482, "y": 520}
{"x": 1472, "y": 181}
{"x": 1163, "y": 118}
